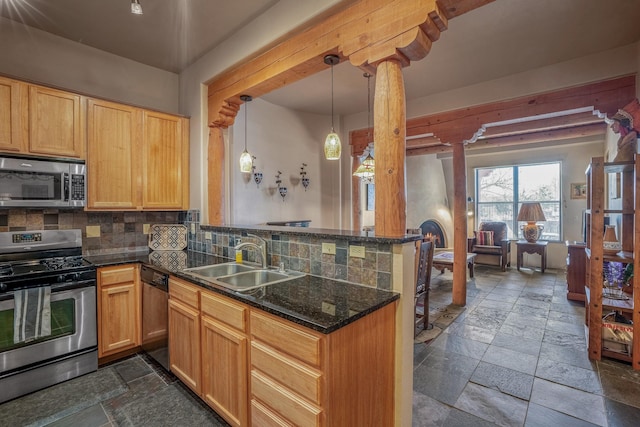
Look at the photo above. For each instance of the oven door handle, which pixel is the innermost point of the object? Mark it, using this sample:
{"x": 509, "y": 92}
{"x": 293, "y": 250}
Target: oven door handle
{"x": 66, "y": 185}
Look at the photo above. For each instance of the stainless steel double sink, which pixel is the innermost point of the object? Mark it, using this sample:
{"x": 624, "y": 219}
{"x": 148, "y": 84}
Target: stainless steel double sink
{"x": 240, "y": 277}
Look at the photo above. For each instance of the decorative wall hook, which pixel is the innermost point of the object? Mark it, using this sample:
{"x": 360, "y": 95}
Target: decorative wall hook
{"x": 282, "y": 190}
{"x": 257, "y": 176}
{"x": 303, "y": 174}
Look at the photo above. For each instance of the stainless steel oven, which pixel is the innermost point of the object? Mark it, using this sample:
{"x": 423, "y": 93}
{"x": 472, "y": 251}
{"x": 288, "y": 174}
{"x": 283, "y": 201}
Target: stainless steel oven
{"x": 54, "y": 289}
{"x": 28, "y": 182}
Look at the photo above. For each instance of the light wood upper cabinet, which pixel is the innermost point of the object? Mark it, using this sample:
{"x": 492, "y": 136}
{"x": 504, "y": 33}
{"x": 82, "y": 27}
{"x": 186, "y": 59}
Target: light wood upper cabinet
{"x": 136, "y": 159}
{"x": 56, "y": 122}
{"x": 165, "y": 162}
{"x": 118, "y": 309}
{"x": 13, "y": 115}
{"x": 113, "y": 147}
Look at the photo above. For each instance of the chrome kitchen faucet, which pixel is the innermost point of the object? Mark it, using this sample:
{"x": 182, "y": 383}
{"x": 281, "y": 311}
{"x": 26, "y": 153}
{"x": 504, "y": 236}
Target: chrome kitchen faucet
{"x": 261, "y": 248}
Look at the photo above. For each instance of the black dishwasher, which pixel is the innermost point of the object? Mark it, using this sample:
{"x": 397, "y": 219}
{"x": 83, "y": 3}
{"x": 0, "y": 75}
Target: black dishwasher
{"x": 155, "y": 307}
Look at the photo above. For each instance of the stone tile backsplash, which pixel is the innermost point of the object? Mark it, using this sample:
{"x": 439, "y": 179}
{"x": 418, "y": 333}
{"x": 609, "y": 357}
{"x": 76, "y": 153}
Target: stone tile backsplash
{"x": 300, "y": 253}
{"x": 119, "y": 231}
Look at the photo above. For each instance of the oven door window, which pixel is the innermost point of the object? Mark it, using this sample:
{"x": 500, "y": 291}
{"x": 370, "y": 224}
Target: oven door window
{"x": 62, "y": 323}
{"x": 20, "y": 185}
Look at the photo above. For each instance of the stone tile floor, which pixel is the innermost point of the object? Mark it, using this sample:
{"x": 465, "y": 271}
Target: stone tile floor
{"x": 132, "y": 392}
{"x": 515, "y": 356}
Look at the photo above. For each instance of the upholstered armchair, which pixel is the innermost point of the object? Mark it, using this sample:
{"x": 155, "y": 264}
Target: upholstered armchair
{"x": 491, "y": 239}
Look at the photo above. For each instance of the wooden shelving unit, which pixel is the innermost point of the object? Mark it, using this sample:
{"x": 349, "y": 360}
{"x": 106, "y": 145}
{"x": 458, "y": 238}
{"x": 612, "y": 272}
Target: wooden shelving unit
{"x": 598, "y": 173}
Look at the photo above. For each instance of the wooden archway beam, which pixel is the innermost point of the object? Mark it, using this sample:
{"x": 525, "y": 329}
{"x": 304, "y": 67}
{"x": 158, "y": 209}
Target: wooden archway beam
{"x": 367, "y": 32}
{"x": 448, "y": 127}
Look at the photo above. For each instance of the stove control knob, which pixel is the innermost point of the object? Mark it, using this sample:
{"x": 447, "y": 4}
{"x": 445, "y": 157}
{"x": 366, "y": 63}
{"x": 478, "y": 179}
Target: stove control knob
{"x": 3, "y": 287}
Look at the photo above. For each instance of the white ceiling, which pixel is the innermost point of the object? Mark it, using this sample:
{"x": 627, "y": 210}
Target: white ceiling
{"x": 502, "y": 38}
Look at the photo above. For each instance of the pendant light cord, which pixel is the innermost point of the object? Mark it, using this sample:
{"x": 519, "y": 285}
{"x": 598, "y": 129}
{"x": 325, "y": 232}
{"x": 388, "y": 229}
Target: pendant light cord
{"x": 332, "y": 129}
{"x": 246, "y": 107}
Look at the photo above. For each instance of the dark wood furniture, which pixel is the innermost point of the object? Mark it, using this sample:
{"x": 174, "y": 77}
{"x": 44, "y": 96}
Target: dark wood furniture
{"x": 576, "y": 274}
{"x": 597, "y": 305}
{"x": 538, "y": 247}
{"x": 423, "y": 281}
{"x": 444, "y": 260}
{"x": 501, "y": 247}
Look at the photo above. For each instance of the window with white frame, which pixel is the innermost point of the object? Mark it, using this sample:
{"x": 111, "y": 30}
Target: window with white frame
{"x": 501, "y": 190}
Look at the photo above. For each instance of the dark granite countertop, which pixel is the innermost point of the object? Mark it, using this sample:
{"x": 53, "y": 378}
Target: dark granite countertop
{"x": 299, "y": 300}
{"x": 320, "y": 233}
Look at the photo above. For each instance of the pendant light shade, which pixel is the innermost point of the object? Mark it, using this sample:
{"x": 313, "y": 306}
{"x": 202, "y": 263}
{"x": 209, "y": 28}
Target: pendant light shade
{"x": 246, "y": 161}
{"x": 367, "y": 168}
{"x": 332, "y": 144}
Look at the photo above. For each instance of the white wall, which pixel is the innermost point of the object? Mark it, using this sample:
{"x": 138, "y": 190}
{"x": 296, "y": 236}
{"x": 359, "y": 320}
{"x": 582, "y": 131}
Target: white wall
{"x": 41, "y": 57}
{"x": 282, "y": 140}
{"x": 427, "y": 194}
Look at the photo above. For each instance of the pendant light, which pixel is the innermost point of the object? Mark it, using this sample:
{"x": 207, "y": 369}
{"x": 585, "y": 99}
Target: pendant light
{"x": 136, "y": 7}
{"x": 367, "y": 168}
{"x": 246, "y": 161}
{"x": 332, "y": 144}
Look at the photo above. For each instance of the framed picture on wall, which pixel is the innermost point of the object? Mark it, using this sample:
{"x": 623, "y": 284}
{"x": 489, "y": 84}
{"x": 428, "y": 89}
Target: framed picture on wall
{"x": 371, "y": 197}
{"x": 578, "y": 190}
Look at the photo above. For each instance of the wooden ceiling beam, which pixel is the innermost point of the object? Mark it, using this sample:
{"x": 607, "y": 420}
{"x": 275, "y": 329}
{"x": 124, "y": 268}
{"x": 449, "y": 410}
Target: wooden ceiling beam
{"x": 606, "y": 97}
{"x": 365, "y": 31}
{"x": 552, "y": 123}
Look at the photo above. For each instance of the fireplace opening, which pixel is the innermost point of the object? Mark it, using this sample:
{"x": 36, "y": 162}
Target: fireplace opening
{"x": 434, "y": 231}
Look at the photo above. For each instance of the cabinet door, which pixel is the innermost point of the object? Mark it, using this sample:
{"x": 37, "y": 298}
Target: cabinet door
{"x": 113, "y": 146}
{"x": 118, "y": 309}
{"x": 55, "y": 123}
{"x": 184, "y": 343}
{"x": 224, "y": 371}
{"x": 118, "y": 318}
{"x": 13, "y": 115}
{"x": 165, "y": 168}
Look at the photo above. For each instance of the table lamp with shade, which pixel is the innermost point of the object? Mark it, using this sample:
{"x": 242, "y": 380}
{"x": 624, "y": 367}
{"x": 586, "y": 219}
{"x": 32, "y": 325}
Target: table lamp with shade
{"x": 531, "y": 213}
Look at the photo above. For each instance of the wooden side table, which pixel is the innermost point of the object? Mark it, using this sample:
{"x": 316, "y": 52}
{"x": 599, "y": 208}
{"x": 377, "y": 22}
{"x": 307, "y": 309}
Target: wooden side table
{"x": 539, "y": 248}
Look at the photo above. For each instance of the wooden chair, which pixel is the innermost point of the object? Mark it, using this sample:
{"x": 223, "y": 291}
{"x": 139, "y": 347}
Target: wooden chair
{"x": 423, "y": 281}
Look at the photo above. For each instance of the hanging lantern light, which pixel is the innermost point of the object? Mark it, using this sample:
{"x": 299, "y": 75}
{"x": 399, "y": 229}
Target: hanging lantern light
{"x": 367, "y": 168}
{"x": 332, "y": 144}
{"x": 246, "y": 161}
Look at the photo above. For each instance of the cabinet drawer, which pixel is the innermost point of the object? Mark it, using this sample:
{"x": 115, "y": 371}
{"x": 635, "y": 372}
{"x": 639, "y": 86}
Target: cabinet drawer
{"x": 263, "y": 416}
{"x": 114, "y": 275}
{"x": 281, "y": 335}
{"x": 299, "y": 378}
{"x": 184, "y": 292}
{"x": 223, "y": 309}
{"x": 283, "y": 402}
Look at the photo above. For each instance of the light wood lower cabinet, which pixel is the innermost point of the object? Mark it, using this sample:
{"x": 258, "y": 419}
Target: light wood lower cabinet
{"x": 184, "y": 333}
{"x": 118, "y": 309}
{"x": 301, "y": 377}
{"x": 254, "y": 368}
{"x": 224, "y": 371}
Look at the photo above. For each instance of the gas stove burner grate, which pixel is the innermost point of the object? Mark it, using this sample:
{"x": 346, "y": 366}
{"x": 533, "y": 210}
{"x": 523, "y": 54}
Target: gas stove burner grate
{"x": 60, "y": 263}
{"x": 5, "y": 270}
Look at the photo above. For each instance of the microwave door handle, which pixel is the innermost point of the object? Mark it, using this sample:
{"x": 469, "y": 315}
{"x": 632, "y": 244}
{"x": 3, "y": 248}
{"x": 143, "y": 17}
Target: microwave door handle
{"x": 65, "y": 186}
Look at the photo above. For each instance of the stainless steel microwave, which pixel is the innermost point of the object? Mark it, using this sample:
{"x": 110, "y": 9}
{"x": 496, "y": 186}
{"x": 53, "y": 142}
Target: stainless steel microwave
{"x": 26, "y": 183}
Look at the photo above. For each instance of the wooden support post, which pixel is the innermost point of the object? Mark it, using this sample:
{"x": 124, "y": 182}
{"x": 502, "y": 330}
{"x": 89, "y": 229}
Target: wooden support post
{"x": 389, "y": 132}
{"x": 356, "y": 208}
{"x": 459, "y": 293}
{"x": 215, "y": 176}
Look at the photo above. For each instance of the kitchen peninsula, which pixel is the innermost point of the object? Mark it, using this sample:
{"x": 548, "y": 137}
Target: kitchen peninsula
{"x": 314, "y": 350}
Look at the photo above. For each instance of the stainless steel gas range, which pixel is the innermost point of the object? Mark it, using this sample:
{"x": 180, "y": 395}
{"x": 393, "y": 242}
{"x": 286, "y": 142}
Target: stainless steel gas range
{"x": 48, "y": 330}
